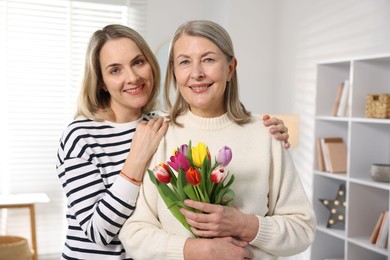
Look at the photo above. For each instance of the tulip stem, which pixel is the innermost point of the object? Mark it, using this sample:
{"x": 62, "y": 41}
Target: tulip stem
{"x": 200, "y": 194}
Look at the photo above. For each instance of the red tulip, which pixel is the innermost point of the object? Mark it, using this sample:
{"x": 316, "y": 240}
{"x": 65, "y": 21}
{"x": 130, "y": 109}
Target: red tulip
{"x": 162, "y": 173}
{"x": 193, "y": 176}
{"x": 219, "y": 174}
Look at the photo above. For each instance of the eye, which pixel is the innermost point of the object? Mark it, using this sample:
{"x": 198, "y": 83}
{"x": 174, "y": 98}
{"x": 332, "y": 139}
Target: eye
{"x": 139, "y": 62}
{"x": 184, "y": 62}
{"x": 208, "y": 60}
{"x": 114, "y": 71}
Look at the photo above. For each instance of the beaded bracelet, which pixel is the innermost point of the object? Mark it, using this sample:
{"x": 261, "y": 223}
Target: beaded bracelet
{"x": 129, "y": 178}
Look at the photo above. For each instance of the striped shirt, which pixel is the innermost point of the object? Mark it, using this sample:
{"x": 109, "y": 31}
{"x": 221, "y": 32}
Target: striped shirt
{"x": 89, "y": 159}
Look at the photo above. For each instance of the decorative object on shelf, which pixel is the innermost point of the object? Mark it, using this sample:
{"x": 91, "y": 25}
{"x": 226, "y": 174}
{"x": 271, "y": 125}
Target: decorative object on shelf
{"x": 336, "y": 207}
{"x": 378, "y": 106}
{"x": 380, "y": 172}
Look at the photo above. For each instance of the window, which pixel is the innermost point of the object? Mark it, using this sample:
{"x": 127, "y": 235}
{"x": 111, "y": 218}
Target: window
{"x": 42, "y": 49}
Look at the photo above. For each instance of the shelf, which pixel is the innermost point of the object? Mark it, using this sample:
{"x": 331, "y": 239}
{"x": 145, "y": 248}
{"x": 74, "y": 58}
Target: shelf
{"x": 364, "y": 242}
{"x": 354, "y": 119}
{"x": 370, "y": 183}
{"x": 338, "y": 176}
{"x": 368, "y": 142}
{"x": 332, "y": 232}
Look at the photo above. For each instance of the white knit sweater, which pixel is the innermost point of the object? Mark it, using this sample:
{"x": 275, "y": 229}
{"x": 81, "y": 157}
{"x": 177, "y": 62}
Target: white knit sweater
{"x": 266, "y": 185}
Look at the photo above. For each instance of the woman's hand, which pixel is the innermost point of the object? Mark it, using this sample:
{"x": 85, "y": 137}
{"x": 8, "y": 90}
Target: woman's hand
{"x": 278, "y": 129}
{"x": 147, "y": 137}
{"x": 225, "y": 248}
{"x": 220, "y": 221}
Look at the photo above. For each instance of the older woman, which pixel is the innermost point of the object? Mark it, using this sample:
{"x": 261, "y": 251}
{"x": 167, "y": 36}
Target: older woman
{"x": 271, "y": 216}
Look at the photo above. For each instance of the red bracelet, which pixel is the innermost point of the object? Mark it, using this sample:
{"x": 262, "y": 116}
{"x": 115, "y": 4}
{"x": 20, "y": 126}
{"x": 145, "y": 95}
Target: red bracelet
{"x": 129, "y": 178}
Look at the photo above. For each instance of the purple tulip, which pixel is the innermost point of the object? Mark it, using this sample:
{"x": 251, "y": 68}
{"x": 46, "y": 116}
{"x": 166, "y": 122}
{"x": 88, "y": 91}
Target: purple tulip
{"x": 183, "y": 149}
{"x": 224, "y": 156}
{"x": 179, "y": 160}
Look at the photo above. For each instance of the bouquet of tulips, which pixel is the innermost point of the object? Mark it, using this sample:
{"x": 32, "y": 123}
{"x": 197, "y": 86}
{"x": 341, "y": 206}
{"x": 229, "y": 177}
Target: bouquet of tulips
{"x": 196, "y": 178}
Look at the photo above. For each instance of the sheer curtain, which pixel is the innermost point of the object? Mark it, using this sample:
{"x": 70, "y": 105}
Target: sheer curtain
{"x": 42, "y": 48}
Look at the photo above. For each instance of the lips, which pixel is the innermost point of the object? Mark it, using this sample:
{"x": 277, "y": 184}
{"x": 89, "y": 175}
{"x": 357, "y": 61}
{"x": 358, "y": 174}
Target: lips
{"x": 199, "y": 88}
{"x": 135, "y": 90}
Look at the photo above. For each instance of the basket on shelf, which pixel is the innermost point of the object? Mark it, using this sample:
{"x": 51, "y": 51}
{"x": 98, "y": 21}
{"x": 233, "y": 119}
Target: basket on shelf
{"x": 378, "y": 106}
{"x": 13, "y": 247}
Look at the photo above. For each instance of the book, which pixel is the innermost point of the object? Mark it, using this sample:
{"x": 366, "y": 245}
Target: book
{"x": 337, "y": 99}
{"x": 336, "y": 153}
{"x": 383, "y": 234}
{"x": 328, "y": 155}
{"x": 320, "y": 156}
{"x": 375, "y": 231}
{"x": 344, "y": 99}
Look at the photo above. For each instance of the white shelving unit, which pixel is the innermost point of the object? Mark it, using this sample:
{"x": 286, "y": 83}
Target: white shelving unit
{"x": 368, "y": 142}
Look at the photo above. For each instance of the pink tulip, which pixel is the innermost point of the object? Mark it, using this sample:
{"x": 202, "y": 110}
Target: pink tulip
{"x": 224, "y": 156}
{"x": 219, "y": 174}
{"x": 179, "y": 160}
{"x": 162, "y": 173}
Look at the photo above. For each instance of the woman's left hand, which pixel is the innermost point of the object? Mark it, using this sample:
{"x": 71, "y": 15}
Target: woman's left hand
{"x": 278, "y": 129}
{"x": 220, "y": 221}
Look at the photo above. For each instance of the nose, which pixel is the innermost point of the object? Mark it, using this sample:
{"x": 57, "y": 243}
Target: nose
{"x": 197, "y": 71}
{"x": 131, "y": 76}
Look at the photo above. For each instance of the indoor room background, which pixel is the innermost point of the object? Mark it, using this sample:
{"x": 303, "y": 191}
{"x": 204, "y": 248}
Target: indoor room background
{"x": 277, "y": 42}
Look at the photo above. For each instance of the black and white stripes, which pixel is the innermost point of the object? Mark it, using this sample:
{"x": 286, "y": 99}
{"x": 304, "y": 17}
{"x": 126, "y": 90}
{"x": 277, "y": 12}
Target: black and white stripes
{"x": 89, "y": 159}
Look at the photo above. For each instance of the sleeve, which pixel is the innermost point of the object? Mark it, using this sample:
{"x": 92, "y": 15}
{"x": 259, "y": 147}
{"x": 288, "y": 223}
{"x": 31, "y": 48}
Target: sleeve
{"x": 99, "y": 209}
{"x": 289, "y": 226}
{"x": 142, "y": 234}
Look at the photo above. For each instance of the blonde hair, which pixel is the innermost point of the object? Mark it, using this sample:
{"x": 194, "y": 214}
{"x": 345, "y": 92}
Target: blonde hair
{"x": 92, "y": 97}
{"x": 219, "y": 36}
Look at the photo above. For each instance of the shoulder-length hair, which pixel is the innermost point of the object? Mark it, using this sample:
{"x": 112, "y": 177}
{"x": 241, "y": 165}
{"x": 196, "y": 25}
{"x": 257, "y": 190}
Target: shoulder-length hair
{"x": 219, "y": 36}
{"x": 92, "y": 96}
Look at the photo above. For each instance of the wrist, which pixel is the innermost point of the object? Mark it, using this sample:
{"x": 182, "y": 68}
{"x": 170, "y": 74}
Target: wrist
{"x": 194, "y": 248}
{"x": 250, "y": 228}
{"x": 133, "y": 170}
{"x": 131, "y": 179}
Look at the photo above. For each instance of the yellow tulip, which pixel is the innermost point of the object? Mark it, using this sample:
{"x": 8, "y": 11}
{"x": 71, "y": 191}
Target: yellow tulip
{"x": 199, "y": 153}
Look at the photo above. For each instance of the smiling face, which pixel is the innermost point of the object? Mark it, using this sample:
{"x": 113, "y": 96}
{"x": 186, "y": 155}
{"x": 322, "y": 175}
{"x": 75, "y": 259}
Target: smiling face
{"x": 127, "y": 76}
{"x": 201, "y": 71}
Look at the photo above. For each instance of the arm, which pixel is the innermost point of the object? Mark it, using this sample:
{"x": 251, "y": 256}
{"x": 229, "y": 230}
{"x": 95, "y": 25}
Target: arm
{"x": 290, "y": 222}
{"x": 92, "y": 204}
{"x": 277, "y": 129}
{"x": 100, "y": 203}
